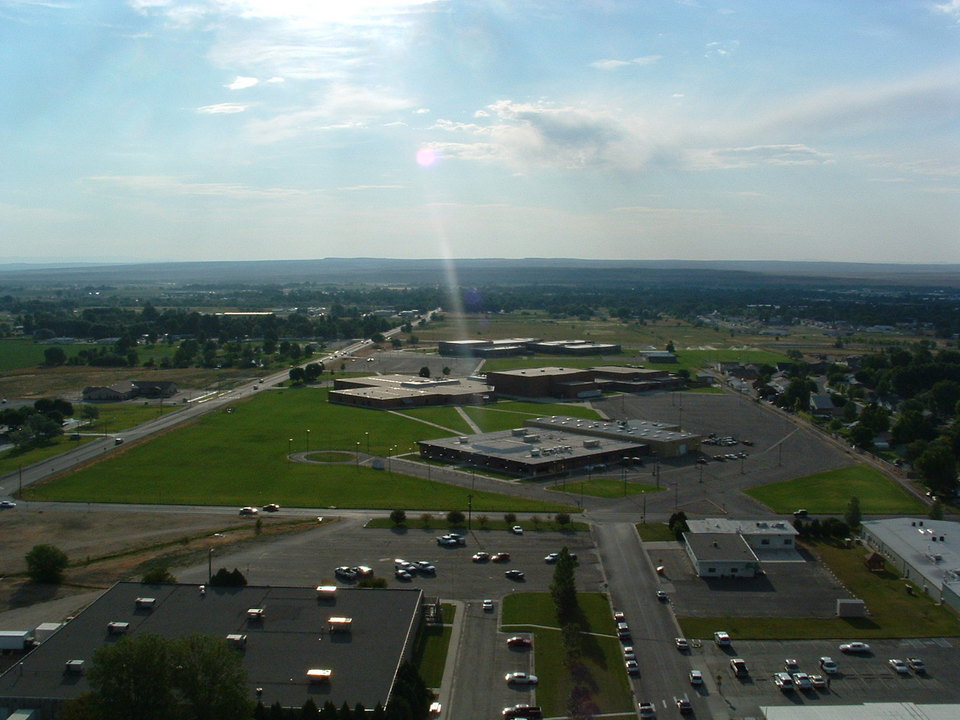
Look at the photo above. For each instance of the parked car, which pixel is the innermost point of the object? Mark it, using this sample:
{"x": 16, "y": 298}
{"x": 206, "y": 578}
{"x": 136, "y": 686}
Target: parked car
{"x": 480, "y": 557}
{"x": 425, "y": 567}
{"x": 7, "y": 504}
{"x": 518, "y": 641}
{"x": 633, "y": 668}
{"x": 618, "y": 616}
{"x": 695, "y": 677}
{"x": 684, "y": 706}
{"x": 739, "y": 667}
{"x": 682, "y": 644}
{"x": 801, "y": 513}
{"x": 364, "y": 570}
{"x": 487, "y": 605}
{"x": 721, "y": 638}
{"x": 819, "y": 682}
{"x": 623, "y": 631}
{"x": 802, "y": 680}
{"x": 898, "y": 665}
{"x": 828, "y": 665}
{"x": 628, "y": 653}
{"x": 520, "y": 678}
{"x": 855, "y": 647}
{"x": 515, "y": 574}
{"x": 662, "y": 595}
{"x": 917, "y": 665}
{"x": 791, "y": 664}
{"x": 402, "y": 574}
{"x": 647, "y": 710}
{"x": 501, "y": 557}
{"x": 345, "y": 573}
{"x": 783, "y": 681}
{"x": 551, "y": 558}
{"x": 529, "y": 712}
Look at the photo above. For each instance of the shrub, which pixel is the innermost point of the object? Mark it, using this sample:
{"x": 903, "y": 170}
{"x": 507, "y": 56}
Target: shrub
{"x": 46, "y": 563}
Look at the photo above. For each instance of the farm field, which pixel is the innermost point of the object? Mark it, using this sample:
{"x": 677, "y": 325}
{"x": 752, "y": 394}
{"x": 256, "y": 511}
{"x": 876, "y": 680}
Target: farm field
{"x": 830, "y": 492}
{"x": 241, "y": 458}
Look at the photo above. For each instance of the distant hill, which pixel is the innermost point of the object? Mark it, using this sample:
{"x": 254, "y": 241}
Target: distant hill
{"x": 479, "y": 271}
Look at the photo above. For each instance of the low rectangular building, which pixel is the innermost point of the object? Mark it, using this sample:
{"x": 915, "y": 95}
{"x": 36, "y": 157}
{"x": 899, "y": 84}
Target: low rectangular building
{"x": 385, "y": 392}
{"x": 663, "y": 439}
{"x": 718, "y": 555}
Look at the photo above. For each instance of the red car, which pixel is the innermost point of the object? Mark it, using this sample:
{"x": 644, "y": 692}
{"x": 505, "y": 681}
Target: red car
{"x": 519, "y": 641}
{"x": 501, "y": 557}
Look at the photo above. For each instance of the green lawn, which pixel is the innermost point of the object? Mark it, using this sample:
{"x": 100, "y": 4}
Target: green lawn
{"x": 656, "y": 532}
{"x": 830, "y": 492}
{"x": 602, "y": 652}
{"x": 430, "y": 653}
{"x": 240, "y": 458}
{"x": 893, "y": 612}
{"x": 508, "y": 414}
{"x": 16, "y": 353}
{"x": 607, "y": 487}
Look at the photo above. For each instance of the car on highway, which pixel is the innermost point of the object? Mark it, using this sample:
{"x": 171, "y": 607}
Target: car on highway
{"x": 855, "y": 647}
{"x": 647, "y": 710}
{"x": 917, "y": 665}
{"x": 828, "y": 665}
{"x": 516, "y": 530}
{"x": 682, "y": 644}
{"x": 721, "y": 638}
{"x": 898, "y": 665}
{"x": 271, "y": 507}
{"x": 480, "y": 557}
{"x": 783, "y": 681}
{"x": 684, "y": 706}
{"x": 514, "y": 574}
{"x": 802, "y": 680}
{"x": 519, "y": 641}
{"x": 7, "y": 504}
{"x": 248, "y": 511}
{"x": 501, "y": 557}
{"x": 695, "y": 677}
{"x": 520, "y": 678}
{"x": 633, "y": 668}
{"x": 487, "y": 605}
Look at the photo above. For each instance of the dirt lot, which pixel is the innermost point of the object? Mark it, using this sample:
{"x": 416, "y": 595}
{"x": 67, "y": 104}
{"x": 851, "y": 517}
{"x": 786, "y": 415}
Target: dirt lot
{"x": 106, "y": 546}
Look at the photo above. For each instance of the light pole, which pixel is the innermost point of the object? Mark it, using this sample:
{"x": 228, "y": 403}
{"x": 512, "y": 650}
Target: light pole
{"x": 469, "y": 512}
{"x": 308, "y": 439}
{"x": 289, "y": 445}
{"x": 210, "y": 565}
{"x": 367, "y": 436}
{"x": 358, "y": 456}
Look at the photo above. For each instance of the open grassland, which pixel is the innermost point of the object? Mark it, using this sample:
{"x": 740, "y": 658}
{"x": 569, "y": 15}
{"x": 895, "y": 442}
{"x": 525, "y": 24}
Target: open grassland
{"x": 830, "y": 492}
{"x": 601, "y": 660}
{"x": 894, "y": 613}
{"x": 241, "y": 458}
{"x": 607, "y": 487}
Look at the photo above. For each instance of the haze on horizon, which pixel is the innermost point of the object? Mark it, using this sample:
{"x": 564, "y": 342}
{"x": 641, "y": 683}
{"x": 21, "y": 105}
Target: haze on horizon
{"x": 151, "y": 130}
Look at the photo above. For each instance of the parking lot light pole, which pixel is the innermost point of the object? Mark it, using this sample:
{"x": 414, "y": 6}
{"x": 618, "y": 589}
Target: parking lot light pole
{"x": 289, "y": 445}
{"x": 358, "y": 456}
{"x": 469, "y": 512}
{"x": 308, "y": 439}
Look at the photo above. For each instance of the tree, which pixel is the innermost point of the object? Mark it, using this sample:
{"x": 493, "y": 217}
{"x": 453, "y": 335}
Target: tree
{"x": 46, "y": 563}
{"x": 938, "y": 466}
{"x": 852, "y": 516}
{"x": 158, "y": 575}
{"x": 54, "y": 356}
{"x": 562, "y": 518}
{"x": 398, "y": 516}
{"x": 90, "y": 412}
{"x": 297, "y": 375}
{"x": 134, "y": 678}
{"x": 424, "y": 372}
{"x": 209, "y": 677}
{"x": 455, "y": 517}
{"x": 510, "y": 518}
{"x": 861, "y": 436}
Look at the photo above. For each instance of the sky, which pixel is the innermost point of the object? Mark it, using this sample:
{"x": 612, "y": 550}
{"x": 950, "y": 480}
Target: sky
{"x": 155, "y": 130}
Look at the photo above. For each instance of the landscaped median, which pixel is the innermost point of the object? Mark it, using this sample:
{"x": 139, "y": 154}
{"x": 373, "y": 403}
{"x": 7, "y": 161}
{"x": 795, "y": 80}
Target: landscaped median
{"x": 894, "y": 613}
{"x": 601, "y": 657}
{"x": 829, "y": 493}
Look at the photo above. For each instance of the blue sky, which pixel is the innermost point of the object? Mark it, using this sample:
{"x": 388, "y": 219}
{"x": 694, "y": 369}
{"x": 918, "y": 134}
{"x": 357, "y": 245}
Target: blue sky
{"x": 642, "y": 129}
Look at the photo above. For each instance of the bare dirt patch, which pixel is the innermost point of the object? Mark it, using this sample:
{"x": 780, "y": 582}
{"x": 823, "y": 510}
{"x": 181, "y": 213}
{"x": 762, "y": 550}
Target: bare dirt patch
{"x": 107, "y": 546}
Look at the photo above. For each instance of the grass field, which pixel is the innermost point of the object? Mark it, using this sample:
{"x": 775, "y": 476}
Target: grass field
{"x": 893, "y": 612}
{"x": 606, "y": 487}
{"x": 830, "y": 492}
{"x": 602, "y": 653}
{"x": 503, "y": 415}
{"x": 240, "y": 458}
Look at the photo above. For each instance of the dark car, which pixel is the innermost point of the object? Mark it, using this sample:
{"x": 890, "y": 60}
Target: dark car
{"x": 518, "y": 641}
{"x": 515, "y": 574}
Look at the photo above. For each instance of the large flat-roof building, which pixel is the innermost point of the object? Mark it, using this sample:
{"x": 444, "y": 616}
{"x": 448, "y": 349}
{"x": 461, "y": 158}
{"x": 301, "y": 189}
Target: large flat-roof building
{"x": 291, "y": 635}
{"x": 532, "y": 452}
{"x": 663, "y": 439}
{"x": 923, "y": 550}
{"x": 558, "y": 382}
{"x": 724, "y": 547}
{"x": 399, "y": 391}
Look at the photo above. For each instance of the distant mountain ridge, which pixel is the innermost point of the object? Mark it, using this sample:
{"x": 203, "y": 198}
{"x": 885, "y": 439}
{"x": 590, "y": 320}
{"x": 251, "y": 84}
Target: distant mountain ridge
{"x": 474, "y": 271}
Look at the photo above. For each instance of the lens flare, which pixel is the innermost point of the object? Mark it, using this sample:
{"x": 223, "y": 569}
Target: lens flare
{"x": 427, "y": 157}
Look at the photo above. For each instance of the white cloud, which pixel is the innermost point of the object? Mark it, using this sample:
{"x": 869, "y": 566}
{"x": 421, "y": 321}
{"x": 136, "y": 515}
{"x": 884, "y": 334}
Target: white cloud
{"x": 165, "y": 185}
{"x": 222, "y": 109}
{"x": 742, "y": 157}
{"x": 721, "y": 49}
{"x": 612, "y": 64}
{"x": 951, "y": 8}
{"x": 241, "y": 82}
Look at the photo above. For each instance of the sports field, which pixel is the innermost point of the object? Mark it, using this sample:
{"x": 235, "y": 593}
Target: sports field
{"x": 241, "y": 458}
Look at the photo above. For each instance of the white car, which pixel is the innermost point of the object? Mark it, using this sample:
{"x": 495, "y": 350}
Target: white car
{"x": 632, "y": 667}
{"x": 520, "y": 678}
{"x": 517, "y": 530}
{"x": 647, "y": 710}
{"x": 487, "y": 605}
{"x": 819, "y": 682}
{"x": 855, "y": 647}
{"x": 898, "y": 665}
{"x": 721, "y": 638}
{"x": 696, "y": 677}
{"x": 828, "y": 665}
{"x": 682, "y": 644}
{"x": 628, "y": 653}
{"x": 7, "y": 504}
{"x": 783, "y": 681}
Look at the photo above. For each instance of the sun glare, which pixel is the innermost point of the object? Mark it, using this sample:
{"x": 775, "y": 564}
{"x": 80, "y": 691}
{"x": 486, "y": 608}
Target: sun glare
{"x": 427, "y": 157}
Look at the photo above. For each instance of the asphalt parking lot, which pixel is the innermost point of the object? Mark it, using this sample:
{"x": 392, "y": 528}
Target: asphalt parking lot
{"x": 309, "y": 558}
